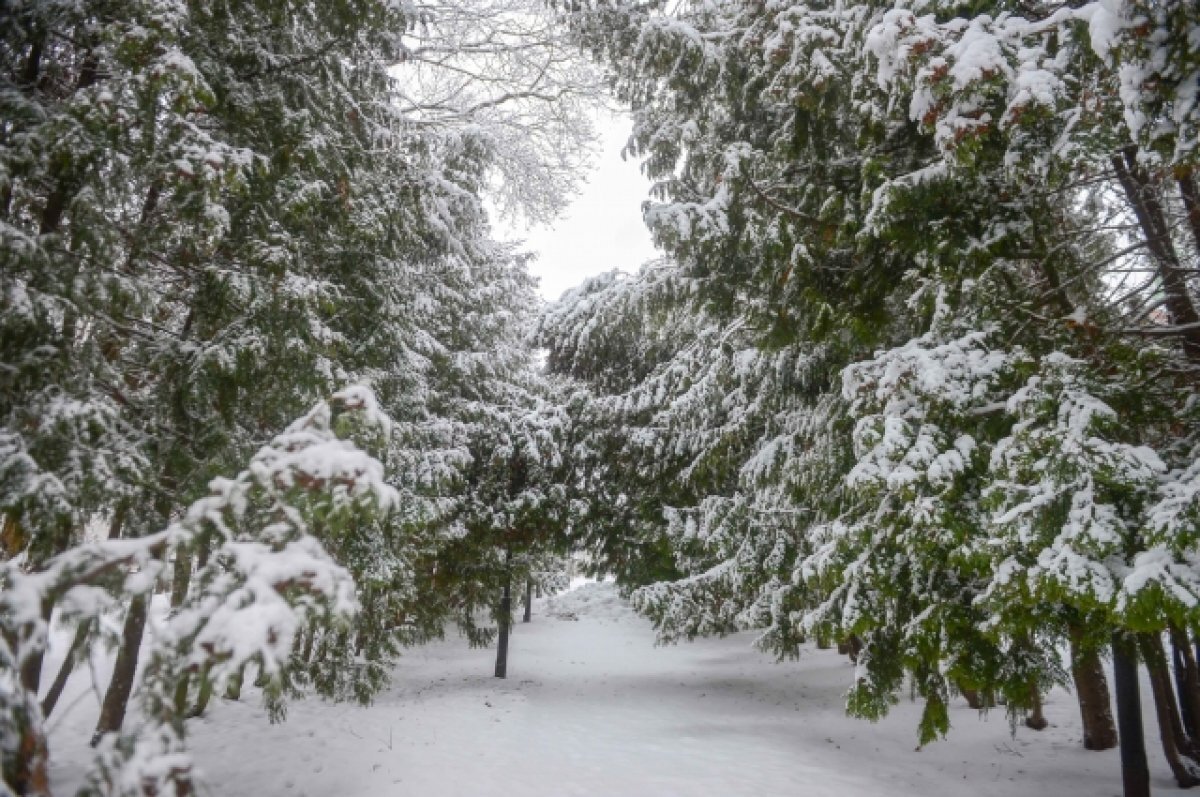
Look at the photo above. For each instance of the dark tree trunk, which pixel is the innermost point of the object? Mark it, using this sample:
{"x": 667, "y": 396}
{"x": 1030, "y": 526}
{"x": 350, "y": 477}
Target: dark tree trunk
{"x": 204, "y": 691}
{"x": 309, "y": 639}
{"x": 181, "y": 694}
{"x": 1091, "y": 690}
{"x": 1191, "y": 204}
{"x": 972, "y": 697}
{"x": 528, "y": 602}
{"x": 1036, "y": 719}
{"x": 116, "y": 699}
{"x": 31, "y": 667}
{"x": 976, "y": 699}
{"x": 505, "y": 623}
{"x": 234, "y": 690}
{"x": 181, "y": 578}
{"x": 1175, "y": 744}
{"x": 78, "y": 644}
{"x": 1135, "y": 772}
{"x": 1187, "y": 680}
{"x": 25, "y": 769}
{"x": 850, "y": 646}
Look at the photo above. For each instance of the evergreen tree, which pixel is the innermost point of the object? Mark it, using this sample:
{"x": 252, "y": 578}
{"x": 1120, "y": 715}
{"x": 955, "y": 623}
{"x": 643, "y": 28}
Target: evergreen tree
{"x": 932, "y": 211}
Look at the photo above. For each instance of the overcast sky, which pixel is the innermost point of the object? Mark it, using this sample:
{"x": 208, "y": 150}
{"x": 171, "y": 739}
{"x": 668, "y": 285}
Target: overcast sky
{"x": 602, "y": 229}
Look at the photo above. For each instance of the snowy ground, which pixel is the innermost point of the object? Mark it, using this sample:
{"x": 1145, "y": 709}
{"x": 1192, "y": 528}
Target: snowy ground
{"x": 591, "y": 707}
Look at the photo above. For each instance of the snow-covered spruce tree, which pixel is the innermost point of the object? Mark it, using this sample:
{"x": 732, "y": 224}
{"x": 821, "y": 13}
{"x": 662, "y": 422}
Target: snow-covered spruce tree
{"x": 609, "y": 335}
{"x": 266, "y": 578}
{"x": 820, "y": 165}
{"x": 689, "y": 447}
{"x": 507, "y": 530}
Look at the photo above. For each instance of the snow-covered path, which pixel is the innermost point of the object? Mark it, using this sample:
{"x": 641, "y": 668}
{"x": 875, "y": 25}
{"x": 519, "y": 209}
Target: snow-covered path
{"x": 592, "y": 708}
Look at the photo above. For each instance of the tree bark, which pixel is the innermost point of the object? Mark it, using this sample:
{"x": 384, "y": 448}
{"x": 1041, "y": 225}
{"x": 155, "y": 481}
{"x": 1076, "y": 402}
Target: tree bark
{"x": 25, "y": 772}
{"x": 1187, "y": 679}
{"x": 1091, "y": 690}
{"x": 1176, "y": 746}
{"x": 505, "y": 623}
{"x": 182, "y": 686}
{"x": 204, "y": 692}
{"x": 68, "y": 666}
{"x": 528, "y": 602}
{"x": 1135, "y": 772}
{"x": 1149, "y": 213}
{"x": 1191, "y": 204}
{"x": 851, "y": 646}
{"x": 1036, "y": 719}
{"x": 31, "y": 665}
{"x": 234, "y": 690}
{"x": 116, "y": 699}
{"x": 181, "y": 577}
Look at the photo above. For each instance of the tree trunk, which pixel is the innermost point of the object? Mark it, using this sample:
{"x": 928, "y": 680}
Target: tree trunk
{"x": 528, "y": 602}
{"x": 505, "y": 623}
{"x": 182, "y": 686}
{"x": 1091, "y": 690}
{"x": 1191, "y": 204}
{"x": 204, "y": 692}
{"x": 851, "y": 646}
{"x": 234, "y": 690}
{"x": 1036, "y": 719}
{"x": 116, "y": 699}
{"x": 1187, "y": 679}
{"x": 12, "y": 537}
{"x": 181, "y": 577}
{"x": 24, "y": 768}
{"x": 74, "y": 654}
{"x": 1143, "y": 198}
{"x": 1135, "y": 772}
{"x": 31, "y": 665}
{"x": 1176, "y": 746}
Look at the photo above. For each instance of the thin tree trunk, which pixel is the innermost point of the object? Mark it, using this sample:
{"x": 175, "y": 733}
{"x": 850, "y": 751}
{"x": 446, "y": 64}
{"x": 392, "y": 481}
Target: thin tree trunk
{"x": 78, "y": 644}
{"x": 309, "y": 639}
{"x": 181, "y": 577}
{"x": 528, "y": 601}
{"x": 1036, "y": 719}
{"x": 203, "y": 694}
{"x": 1091, "y": 690}
{"x": 181, "y": 693}
{"x": 505, "y": 623}
{"x": 31, "y": 666}
{"x": 1135, "y": 772}
{"x": 1191, "y": 204}
{"x": 1187, "y": 677}
{"x": 234, "y": 690}
{"x": 1170, "y": 729}
{"x": 116, "y": 699}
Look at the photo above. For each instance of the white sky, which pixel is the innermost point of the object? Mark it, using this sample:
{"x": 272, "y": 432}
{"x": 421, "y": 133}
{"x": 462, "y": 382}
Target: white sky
{"x": 602, "y": 229}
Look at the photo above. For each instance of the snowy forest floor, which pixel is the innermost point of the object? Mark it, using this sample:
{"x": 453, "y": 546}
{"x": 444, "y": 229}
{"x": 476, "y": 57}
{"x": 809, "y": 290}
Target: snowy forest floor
{"x": 591, "y": 707}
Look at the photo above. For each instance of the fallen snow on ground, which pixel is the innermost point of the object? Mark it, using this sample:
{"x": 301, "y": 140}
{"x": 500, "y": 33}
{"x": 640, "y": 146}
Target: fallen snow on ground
{"x": 591, "y": 707}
